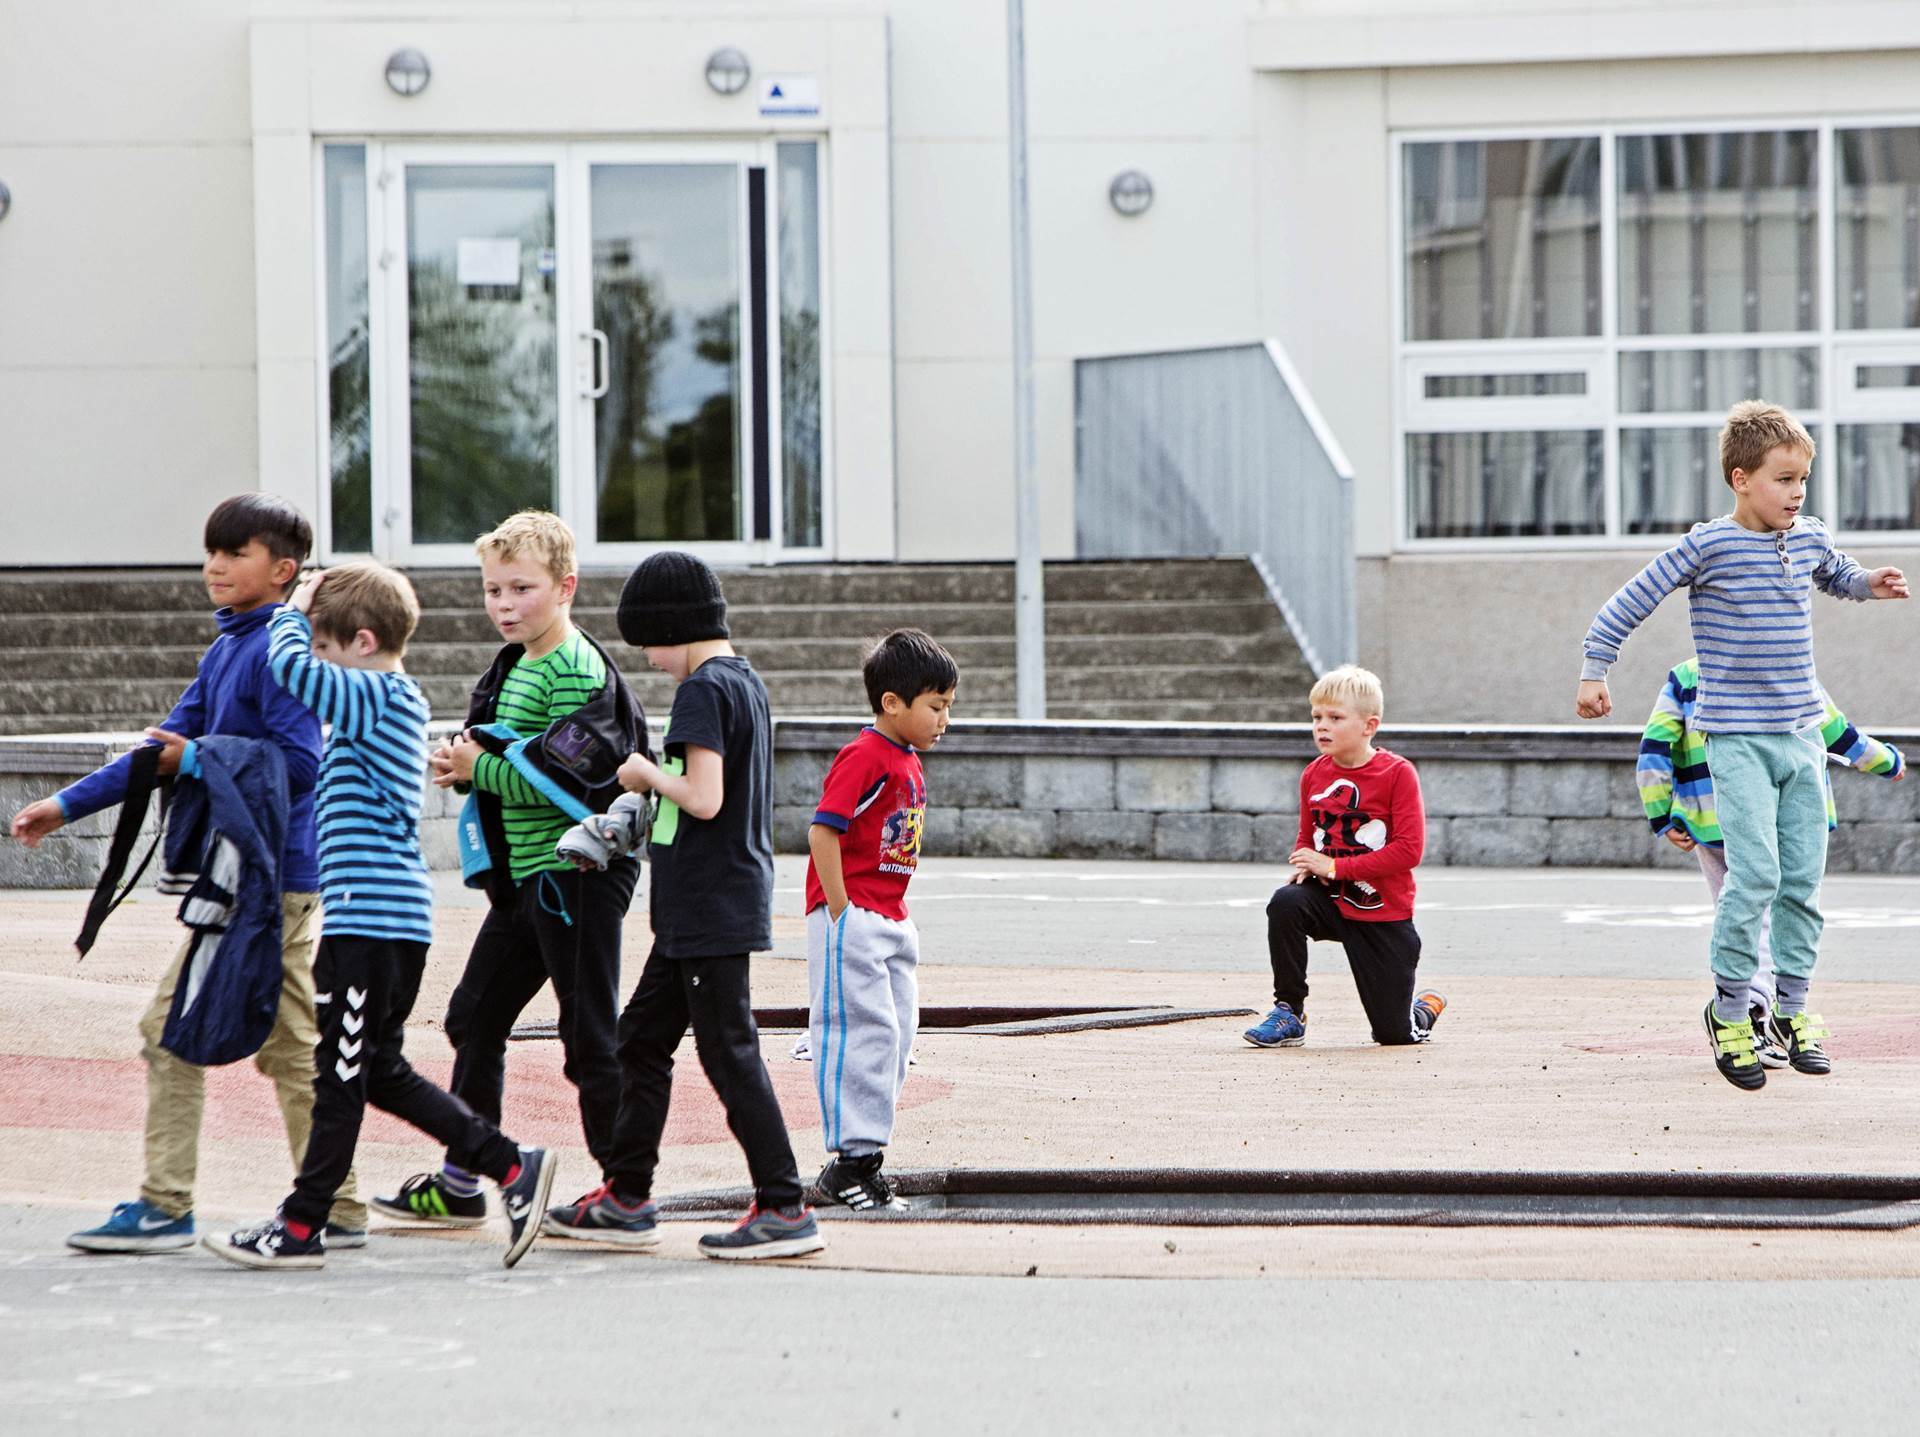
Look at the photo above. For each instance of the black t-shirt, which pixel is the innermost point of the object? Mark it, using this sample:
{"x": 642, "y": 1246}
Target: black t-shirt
{"x": 711, "y": 893}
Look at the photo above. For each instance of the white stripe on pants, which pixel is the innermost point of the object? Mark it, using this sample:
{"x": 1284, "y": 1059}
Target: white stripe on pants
{"x": 1713, "y": 863}
{"x": 862, "y": 1011}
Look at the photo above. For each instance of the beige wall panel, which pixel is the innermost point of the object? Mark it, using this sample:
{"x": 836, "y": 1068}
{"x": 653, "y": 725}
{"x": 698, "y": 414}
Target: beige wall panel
{"x": 956, "y": 468}
{"x": 1138, "y": 68}
{"x": 289, "y": 430}
{"x": 120, "y": 466}
{"x": 862, "y": 466}
{"x": 857, "y": 59}
{"x": 287, "y": 247}
{"x": 1496, "y": 637}
{"x": 122, "y": 72}
{"x": 1054, "y": 460}
{"x": 117, "y": 255}
{"x": 860, "y": 245}
{"x": 952, "y": 267}
{"x": 949, "y": 70}
{"x": 1184, "y": 274}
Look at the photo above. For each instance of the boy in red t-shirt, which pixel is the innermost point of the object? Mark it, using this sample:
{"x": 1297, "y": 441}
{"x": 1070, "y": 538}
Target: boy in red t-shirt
{"x": 862, "y": 948}
{"x": 1362, "y": 830}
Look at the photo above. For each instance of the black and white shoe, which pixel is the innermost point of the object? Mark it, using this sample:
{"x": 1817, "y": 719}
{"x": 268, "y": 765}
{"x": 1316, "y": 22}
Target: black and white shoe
{"x": 524, "y": 1200}
{"x": 1799, "y": 1036}
{"x": 859, "y": 1184}
{"x": 269, "y": 1244}
{"x": 1766, "y": 1044}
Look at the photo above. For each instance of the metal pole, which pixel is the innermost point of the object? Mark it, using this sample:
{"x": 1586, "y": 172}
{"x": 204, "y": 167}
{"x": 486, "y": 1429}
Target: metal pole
{"x": 1029, "y": 607}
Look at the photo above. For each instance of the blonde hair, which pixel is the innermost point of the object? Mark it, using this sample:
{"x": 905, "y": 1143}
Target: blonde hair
{"x": 1754, "y": 429}
{"x": 1351, "y": 686}
{"x": 531, "y": 533}
{"x": 370, "y": 596}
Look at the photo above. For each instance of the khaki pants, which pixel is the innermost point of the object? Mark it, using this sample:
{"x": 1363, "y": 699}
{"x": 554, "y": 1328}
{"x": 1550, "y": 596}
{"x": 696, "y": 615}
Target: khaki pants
{"x": 177, "y": 1090}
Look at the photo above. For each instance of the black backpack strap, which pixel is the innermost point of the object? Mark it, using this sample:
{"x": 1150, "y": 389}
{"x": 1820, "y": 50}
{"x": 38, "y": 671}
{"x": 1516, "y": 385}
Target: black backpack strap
{"x": 143, "y": 778}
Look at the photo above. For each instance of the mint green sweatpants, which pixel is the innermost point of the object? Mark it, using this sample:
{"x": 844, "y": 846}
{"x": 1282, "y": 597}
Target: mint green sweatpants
{"x": 1770, "y": 793}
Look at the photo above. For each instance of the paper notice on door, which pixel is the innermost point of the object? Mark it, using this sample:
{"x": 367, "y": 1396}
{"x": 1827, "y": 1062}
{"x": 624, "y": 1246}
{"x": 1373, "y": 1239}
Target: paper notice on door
{"x": 489, "y": 261}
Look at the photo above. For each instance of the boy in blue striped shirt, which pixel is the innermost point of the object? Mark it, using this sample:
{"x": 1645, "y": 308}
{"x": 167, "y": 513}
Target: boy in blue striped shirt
{"x": 337, "y": 650}
{"x": 1750, "y": 577}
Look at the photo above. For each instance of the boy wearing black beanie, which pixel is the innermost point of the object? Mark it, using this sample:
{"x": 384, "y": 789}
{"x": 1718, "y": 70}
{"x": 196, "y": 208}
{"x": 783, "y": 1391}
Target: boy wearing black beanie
{"x": 711, "y": 847}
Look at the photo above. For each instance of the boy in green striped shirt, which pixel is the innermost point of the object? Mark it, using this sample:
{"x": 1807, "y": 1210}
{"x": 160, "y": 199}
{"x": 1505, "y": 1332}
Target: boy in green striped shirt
{"x": 1676, "y": 790}
{"x": 549, "y": 922}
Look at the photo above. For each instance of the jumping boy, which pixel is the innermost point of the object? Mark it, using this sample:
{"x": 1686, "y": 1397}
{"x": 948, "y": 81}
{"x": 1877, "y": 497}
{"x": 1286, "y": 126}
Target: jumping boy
{"x": 1676, "y": 790}
{"x": 255, "y": 544}
{"x": 863, "y": 1002}
{"x": 337, "y": 649}
{"x": 1363, "y": 829}
{"x": 711, "y": 900}
{"x": 547, "y": 922}
{"x": 1750, "y": 577}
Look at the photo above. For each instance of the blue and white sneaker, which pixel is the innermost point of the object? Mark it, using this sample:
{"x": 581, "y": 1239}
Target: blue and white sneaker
{"x": 269, "y": 1244}
{"x": 137, "y": 1226}
{"x": 767, "y": 1232}
{"x": 602, "y": 1217}
{"x": 524, "y": 1200}
{"x": 1279, "y": 1029}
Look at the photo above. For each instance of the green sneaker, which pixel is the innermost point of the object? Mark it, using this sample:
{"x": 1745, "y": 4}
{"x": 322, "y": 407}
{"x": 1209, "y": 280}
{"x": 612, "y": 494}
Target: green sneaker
{"x": 424, "y": 1199}
{"x": 1800, "y": 1035}
{"x": 1733, "y": 1051}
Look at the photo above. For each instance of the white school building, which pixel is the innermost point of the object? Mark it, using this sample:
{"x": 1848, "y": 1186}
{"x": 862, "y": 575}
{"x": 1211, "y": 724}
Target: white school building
{"x": 736, "y": 277}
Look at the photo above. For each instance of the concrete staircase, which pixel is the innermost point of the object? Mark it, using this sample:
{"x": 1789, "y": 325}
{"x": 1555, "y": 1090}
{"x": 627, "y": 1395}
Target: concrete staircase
{"x": 85, "y": 651}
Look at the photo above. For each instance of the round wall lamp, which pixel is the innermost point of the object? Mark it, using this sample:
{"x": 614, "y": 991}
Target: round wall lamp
{"x": 1131, "y": 193}
{"x": 408, "y": 72}
{"x": 6, "y": 199}
{"x": 728, "y": 71}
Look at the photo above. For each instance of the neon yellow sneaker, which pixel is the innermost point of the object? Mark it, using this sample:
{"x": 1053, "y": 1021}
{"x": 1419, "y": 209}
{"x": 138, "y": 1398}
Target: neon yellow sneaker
{"x": 1800, "y": 1035}
{"x": 1733, "y": 1051}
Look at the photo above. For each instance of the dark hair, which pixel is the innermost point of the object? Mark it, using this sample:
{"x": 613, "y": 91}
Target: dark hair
{"x": 281, "y": 528}
{"x": 908, "y": 663}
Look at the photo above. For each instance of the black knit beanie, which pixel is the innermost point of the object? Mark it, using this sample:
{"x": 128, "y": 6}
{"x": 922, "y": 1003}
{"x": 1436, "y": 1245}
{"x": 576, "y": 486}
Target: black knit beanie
{"x": 672, "y": 598}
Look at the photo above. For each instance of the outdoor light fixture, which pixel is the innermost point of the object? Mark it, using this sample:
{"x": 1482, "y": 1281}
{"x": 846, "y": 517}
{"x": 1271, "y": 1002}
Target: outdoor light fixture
{"x": 1131, "y": 193}
{"x": 6, "y": 199}
{"x": 408, "y": 72}
{"x": 728, "y": 71}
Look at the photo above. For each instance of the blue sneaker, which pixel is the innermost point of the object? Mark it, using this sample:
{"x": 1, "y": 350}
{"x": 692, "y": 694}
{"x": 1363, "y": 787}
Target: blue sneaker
{"x": 524, "y": 1200}
{"x": 1279, "y": 1029}
{"x": 269, "y": 1244}
{"x": 767, "y": 1232}
{"x": 602, "y": 1217}
{"x": 137, "y": 1226}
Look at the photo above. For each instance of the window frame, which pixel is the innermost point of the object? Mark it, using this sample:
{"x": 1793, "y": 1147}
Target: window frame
{"x": 1600, "y": 354}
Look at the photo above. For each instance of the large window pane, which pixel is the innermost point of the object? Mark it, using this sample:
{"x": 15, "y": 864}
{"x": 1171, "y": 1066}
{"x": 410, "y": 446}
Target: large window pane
{"x": 1877, "y": 228}
{"x": 480, "y": 317}
{"x": 349, "y": 420}
{"x": 1685, "y": 381}
{"x": 1479, "y": 485}
{"x": 1670, "y": 479}
{"x": 1503, "y": 238}
{"x": 1718, "y": 233}
{"x": 1879, "y": 476}
{"x": 800, "y": 450}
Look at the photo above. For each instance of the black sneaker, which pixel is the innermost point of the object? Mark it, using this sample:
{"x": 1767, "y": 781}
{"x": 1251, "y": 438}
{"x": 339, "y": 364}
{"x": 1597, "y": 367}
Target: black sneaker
{"x": 1733, "y": 1053}
{"x": 269, "y": 1245}
{"x": 767, "y": 1232}
{"x": 1766, "y": 1046}
{"x": 1799, "y": 1036}
{"x": 858, "y": 1183}
{"x": 424, "y": 1199}
{"x": 525, "y": 1201}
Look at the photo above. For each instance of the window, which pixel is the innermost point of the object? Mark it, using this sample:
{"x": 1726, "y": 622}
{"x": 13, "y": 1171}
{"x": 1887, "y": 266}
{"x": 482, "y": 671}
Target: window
{"x": 1579, "y": 311}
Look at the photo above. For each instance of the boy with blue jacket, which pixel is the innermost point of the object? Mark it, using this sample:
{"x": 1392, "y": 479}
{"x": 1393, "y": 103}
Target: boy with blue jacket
{"x": 255, "y": 544}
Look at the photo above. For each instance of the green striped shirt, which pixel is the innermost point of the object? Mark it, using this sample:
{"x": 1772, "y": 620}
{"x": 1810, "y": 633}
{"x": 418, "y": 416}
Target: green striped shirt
{"x": 534, "y": 693}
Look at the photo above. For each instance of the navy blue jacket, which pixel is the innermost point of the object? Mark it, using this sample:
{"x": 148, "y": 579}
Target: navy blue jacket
{"x": 227, "y": 827}
{"x": 234, "y": 694}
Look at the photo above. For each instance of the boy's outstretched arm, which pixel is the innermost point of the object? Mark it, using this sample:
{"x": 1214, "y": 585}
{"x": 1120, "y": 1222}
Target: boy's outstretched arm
{"x": 1622, "y": 614}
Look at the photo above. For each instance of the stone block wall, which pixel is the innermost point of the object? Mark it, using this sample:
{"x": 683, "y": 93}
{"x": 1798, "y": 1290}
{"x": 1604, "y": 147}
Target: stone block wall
{"x": 1496, "y": 796}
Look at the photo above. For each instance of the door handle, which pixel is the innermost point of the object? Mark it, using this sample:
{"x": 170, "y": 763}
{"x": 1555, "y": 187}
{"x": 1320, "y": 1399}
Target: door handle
{"x": 600, "y": 370}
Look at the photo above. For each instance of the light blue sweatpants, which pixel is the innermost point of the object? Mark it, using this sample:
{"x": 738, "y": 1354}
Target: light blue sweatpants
{"x": 1770, "y": 797}
{"x": 863, "y": 1009}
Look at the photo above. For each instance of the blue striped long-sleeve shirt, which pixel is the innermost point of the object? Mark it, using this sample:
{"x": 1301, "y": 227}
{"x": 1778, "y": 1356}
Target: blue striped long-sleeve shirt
{"x": 1750, "y": 600}
{"x": 373, "y": 879}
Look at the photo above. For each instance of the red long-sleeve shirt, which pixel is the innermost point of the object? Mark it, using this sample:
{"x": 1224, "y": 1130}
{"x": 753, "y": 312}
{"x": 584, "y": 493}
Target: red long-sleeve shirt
{"x": 1371, "y": 822}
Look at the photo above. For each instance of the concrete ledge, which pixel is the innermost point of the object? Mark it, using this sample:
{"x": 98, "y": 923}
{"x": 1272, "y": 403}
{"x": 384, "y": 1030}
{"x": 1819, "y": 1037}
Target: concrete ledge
{"x": 1502, "y": 795}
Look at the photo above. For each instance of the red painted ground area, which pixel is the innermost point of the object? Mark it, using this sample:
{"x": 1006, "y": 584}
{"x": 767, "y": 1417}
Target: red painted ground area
{"x": 102, "y": 1095}
{"x": 1887, "y": 1038}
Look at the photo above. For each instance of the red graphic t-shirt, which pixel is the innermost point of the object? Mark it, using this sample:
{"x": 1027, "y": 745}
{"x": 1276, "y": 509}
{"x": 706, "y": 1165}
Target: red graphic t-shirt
{"x": 876, "y": 795}
{"x": 1371, "y": 822}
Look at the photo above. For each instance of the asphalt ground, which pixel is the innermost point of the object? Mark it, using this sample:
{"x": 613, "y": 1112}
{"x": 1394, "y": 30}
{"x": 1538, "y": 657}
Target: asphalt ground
{"x": 1571, "y": 1043}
